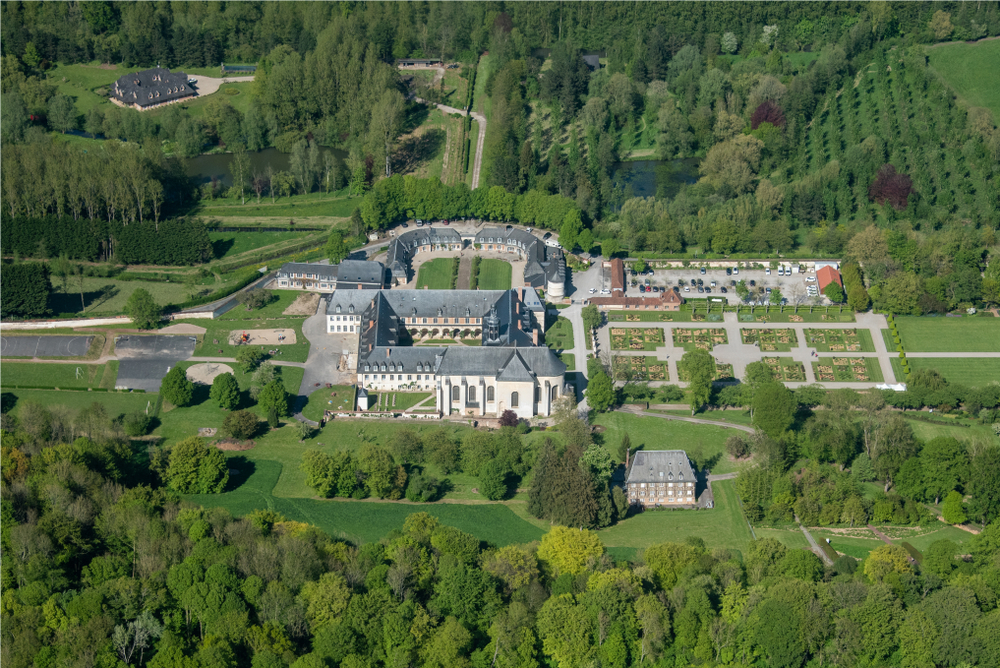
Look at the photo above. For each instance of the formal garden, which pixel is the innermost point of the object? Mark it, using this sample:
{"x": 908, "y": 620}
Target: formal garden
{"x": 640, "y": 367}
{"x": 770, "y": 340}
{"x": 840, "y": 340}
{"x": 848, "y": 369}
{"x": 636, "y": 338}
{"x": 722, "y": 372}
{"x": 786, "y": 369}
{"x": 699, "y": 339}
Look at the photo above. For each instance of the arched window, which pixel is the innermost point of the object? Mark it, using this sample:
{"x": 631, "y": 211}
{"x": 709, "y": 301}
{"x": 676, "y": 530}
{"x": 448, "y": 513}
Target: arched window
{"x": 555, "y": 393}
{"x": 455, "y": 394}
{"x": 472, "y": 394}
{"x": 489, "y": 394}
{"x": 513, "y": 399}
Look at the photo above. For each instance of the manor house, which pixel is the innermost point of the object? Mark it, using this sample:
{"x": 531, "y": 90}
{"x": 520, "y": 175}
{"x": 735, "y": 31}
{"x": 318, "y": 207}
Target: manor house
{"x": 660, "y": 478}
{"x": 510, "y": 368}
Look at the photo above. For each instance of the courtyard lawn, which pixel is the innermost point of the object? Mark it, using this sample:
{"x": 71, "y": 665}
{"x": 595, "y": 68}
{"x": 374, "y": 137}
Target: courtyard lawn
{"x": 705, "y": 339}
{"x": 559, "y": 336}
{"x": 640, "y": 367}
{"x": 847, "y": 369}
{"x": 704, "y": 444}
{"x": 722, "y": 526}
{"x": 437, "y": 274}
{"x": 770, "y": 340}
{"x": 786, "y": 369}
{"x": 840, "y": 340}
{"x": 969, "y": 69}
{"x": 968, "y": 371}
{"x": 117, "y": 403}
{"x": 359, "y": 521}
{"x": 960, "y": 335}
{"x": 494, "y": 274}
{"x": 63, "y": 376}
{"x": 637, "y": 338}
{"x": 401, "y": 401}
{"x": 569, "y": 359}
{"x": 323, "y": 399}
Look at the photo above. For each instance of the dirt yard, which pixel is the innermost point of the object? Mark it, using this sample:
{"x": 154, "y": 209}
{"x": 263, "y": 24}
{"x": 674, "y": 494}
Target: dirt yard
{"x": 183, "y": 328}
{"x": 304, "y": 304}
{"x": 263, "y": 337}
{"x": 206, "y": 373}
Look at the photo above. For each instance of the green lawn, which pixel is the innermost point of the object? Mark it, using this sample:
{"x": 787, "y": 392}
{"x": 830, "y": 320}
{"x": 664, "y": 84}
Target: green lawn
{"x": 703, "y": 443}
{"x": 925, "y": 431}
{"x": 971, "y": 70}
{"x": 117, "y": 403}
{"x": 294, "y": 207}
{"x": 437, "y": 274}
{"x": 215, "y": 341}
{"x": 792, "y": 538}
{"x": 360, "y": 521}
{"x": 722, "y": 526}
{"x": 63, "y": 376}
{"x": 494, "y": 275}
{"x": 968, "y": 371}
{"x": 282, "y": 300}
{"x": 960, "y": 335}
{"x": 81, "y": 81}
{"x": 569, "y": 359}
{"x": 227, "y": 244}
{"x": 107, "y": 296}
{"x": 559, "y": 335}
{"x": 323, "y": 399}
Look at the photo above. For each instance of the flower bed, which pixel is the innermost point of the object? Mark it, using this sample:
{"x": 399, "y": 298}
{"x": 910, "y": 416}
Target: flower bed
{"x": 770, "y": 340}
{"x": 703, "y": 339}
{"x": 636, "y": 338}
{"x": 640, "y": 367}
{"x": 848, "y": 369}
{"x": 722, "y": 372}
{"x": 786, "y": 369}
{"x": 840, "y": 340}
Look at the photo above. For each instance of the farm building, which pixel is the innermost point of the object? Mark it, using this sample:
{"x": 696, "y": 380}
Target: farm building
{"x": 660, "y": 478}
{"x": 665, "y": 301}
{"x": 151, "y": 88}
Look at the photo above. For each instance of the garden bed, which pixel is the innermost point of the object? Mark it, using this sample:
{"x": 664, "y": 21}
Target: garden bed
{"x": 648, "y": 316}
{"x": 636, "y": 338}
{"x": 640, "y": 367}
{"x": 786, "y": 369}
{"x": 703, "y": 339}
{"x": 847, "y": 370}
{"x": 770, "y": 340}
{"x": 722, "y": 372}
{"x": 840, "y": 340}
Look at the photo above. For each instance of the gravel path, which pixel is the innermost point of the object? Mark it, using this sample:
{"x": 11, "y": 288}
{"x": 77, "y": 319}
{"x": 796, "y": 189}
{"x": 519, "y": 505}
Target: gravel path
{"x": 813, "y": 544}
{"x": 684, "y": 418}
{"x": 209, "y": 85}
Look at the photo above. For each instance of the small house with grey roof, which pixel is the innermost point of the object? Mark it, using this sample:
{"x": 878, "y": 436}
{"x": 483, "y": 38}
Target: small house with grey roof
{"x": 660, "y": 478}
{"x": 151, "y": 88}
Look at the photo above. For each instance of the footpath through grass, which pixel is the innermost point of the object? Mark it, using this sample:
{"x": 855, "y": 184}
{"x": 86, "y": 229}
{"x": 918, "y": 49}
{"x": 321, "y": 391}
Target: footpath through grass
{"x": 945, "y": 335}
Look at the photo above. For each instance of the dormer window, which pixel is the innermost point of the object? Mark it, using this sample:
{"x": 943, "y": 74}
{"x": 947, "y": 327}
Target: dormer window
{"x": 338, "y": 308}
{"x": 350, "y": 309}
{"x": 670, "y": 476}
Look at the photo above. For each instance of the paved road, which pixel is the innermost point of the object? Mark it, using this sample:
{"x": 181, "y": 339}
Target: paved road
{"x": 814, "y": 545}
{"x": 481, "y": 120}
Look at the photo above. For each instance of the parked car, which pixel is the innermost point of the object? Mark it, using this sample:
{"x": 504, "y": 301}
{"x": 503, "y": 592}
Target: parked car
{"x": 687, "y": 289}
{"x": 445, "y": 222}
{"x": 810, "y": 279}
{"x": 593, "y": 290}
{"x": 767, "y": 290}
{"x": 708, "y": 290}
{"x": 732, "y": 284}
{"x": 701, "y": 282}
{"x": 723, "y": 290}
{"x": 546, "y": 236}
{"x": 703, "y": 271}
{"x": 420, "y": 223}
{"x": 528, "y": 229}
{"x": 713, "y": 284}
{"x": 753, "y": 283}
{"x": 781, "y": 271}
{"x": 767, "y": 271}
{"x": 701, "y": 289}
{"x": 642, "y": 288}
{"x": 729, "y": 272}
{"x": 404, "y": 225}
{"x": 736, "y": 271}
{"x": 676, "y": 289}
{"x": 605, "y": 292}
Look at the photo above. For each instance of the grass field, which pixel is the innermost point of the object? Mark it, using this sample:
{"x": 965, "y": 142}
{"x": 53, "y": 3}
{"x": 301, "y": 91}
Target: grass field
{"x": 117, "y": 403}
{"x": 960, "y": 335}
{"x": 705, "y": 444}
{"x": 107, "y": 296}
{"x": 969, "y": 69}
{"x": 360, "y": 521}
{"x": 296, "y": 207}
{"x": 227, "y": 244}
{"x": 722, "y": 526}
{"x": 494, "y": 275}
{"x": 437, "y": 274}
{"x": 968, "y": 371}
{"x": 323, "y": 399}
{"x": 63, "y": 376}
{"x": 560, "y": 335}
{"x": 925, "y": 431}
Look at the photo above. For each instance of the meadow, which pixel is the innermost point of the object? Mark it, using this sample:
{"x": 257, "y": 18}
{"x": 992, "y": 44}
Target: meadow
{"x": 944, "y": 335}
{"x": 117, "y": 403}
{"x": 63, "y": 376}
{"x": 437, "y": 274}
{"x": 970, "y": 69}
{"x": 227, "y": 244}
{"x": 107, "y": 296}
{"x": 494, "y": 275}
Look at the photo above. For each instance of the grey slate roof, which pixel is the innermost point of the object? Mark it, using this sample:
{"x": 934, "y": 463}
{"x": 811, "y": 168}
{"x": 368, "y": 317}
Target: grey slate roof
{"x": 542, "y": 263}
{"x": 593, "y": 62}
{"x": 466, "y": 361}
{"x": 150, "y": 87}
{"x": 660, "y": 466}
{"x": 401, "y": 359}
{"x": 349, "y": 301}
{"x": 352, "y": 272}
{"x": 401, "y": 249}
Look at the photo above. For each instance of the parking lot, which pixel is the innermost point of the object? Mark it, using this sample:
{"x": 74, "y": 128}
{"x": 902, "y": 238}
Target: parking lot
{"x": 720, "y": 284}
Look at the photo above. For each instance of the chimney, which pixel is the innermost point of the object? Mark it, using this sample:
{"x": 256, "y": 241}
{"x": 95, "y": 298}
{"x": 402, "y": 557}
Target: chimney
{"x": 388, "y": 351}
{"x": 534, "y": 336}
{"x": 628, "y": 451}
{"x": 369, "y": 347}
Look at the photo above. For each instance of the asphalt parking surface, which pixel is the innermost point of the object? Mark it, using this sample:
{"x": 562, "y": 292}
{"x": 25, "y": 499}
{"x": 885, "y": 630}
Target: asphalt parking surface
{"x": 45, "y": 346}
{"x": 793, "y": 286}
{"x": 145, "y": 360}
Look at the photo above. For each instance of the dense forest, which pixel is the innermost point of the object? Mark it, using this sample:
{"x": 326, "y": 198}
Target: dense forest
{"x": 105, "y": 565}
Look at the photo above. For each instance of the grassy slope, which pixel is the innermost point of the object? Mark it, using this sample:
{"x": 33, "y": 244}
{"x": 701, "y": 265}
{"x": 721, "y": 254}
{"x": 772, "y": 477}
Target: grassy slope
{"x": 227, "y": 244}
{"x": 971, "y": 70}
{"x": 949, "y": 334}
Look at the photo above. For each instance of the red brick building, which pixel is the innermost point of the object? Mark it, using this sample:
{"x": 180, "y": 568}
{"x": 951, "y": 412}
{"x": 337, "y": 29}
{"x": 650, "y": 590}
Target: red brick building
{"x": 664, "y": 301}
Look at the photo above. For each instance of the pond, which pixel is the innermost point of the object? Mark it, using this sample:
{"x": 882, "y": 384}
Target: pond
{"x": 204, "y": 167}
{"x": 659, "y": 178}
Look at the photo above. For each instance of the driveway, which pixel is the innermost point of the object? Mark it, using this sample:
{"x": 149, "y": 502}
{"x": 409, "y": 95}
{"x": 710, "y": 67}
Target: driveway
{"x": 208, "y": 85}
{"x": 331, "y": 356}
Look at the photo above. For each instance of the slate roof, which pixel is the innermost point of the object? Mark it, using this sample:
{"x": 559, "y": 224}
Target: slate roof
{"x": 542, "y": 263}
{"x": 151, "y": 87}
{"x": 660, "y": 466}
{"x": 400, "y": 249}
{"x": 593, "y": 62}
{"x": 352, "y": 272}
{"x": 519, "y": 363}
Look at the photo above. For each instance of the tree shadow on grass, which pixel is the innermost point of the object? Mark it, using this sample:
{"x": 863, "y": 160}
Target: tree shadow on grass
{"x": 222, "y": 246}
{"x": 69, "y": 301}
{"x": 416, "y": 114}
{"x": 417, "y": 149}
{"x": 244, "y": 468}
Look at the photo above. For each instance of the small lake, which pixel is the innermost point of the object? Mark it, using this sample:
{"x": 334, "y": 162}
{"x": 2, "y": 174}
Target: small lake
{"x": 656, "y": 178}
{"x": 204, "y": 167}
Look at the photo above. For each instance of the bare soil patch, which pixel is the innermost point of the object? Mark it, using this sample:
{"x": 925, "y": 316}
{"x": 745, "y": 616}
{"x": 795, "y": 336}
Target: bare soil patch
{"x": 206, "y": 373}
{"x": 264, "y": 337}
{"x": 183, "y": 328}
{"x": 232, "y": 445}
{"x": 304, "y": 304}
